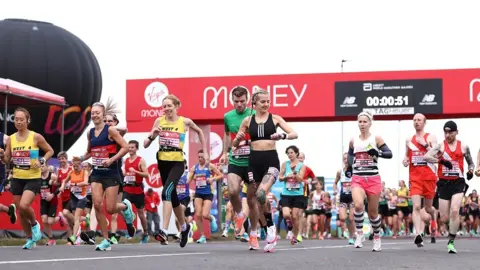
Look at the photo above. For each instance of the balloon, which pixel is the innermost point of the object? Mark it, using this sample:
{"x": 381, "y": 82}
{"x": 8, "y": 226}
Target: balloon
{"x": 50, "y": 58}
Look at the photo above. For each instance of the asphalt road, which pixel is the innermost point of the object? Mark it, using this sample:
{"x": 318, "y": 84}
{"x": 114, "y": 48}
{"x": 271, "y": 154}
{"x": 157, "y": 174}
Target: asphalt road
{"x": 311, "y": 254}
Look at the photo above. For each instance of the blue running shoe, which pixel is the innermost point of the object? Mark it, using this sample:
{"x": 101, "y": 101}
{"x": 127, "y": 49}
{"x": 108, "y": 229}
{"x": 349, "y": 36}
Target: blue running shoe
{"x": 128, "y": 213}
{"x": 144, "y": 239}
{"x": 104, "y": 246}
{"x": 213, "y": 224}
{"x": 30, "y": 244}
{"x": 36, "y": 232}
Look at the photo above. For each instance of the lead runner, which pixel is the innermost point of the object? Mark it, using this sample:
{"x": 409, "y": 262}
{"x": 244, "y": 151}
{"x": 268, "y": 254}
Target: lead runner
{"x": 238, "y": 160}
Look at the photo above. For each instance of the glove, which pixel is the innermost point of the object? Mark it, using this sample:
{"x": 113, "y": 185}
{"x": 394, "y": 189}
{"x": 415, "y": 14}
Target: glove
{"x": 372, "y": 152}
{"x": 349, "y": 172}
{"x": 469, "y": 174}
{"x": 446, "y": 163}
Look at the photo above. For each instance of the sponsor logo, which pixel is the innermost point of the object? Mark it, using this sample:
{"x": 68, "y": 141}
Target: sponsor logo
{"x": 216, "y": 146}
{"x": 155, "y": 93}
{"x": 391, "y": 111}
{"x": 154, "y": 180}
{"x": 474, "y": 97}
{"x": 349, "y": 102}
{"x": 428, "y": 99}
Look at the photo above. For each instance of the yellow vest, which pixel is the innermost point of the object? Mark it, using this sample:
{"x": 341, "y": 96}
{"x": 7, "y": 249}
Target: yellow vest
{"x": 404, "y": 202}
{"x": 23, "y": 156}
{"x": 171, "y": 140}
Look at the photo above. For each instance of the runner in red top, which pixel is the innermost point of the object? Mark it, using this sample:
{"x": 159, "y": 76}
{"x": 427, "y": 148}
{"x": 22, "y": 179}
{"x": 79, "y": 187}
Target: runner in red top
{"x": 309, "y": 181}
{"x": 423, "y": 177}
{"x": 451, "y": 185}
{"x": 135, "y": 170}
{"x": 63, "y": 171}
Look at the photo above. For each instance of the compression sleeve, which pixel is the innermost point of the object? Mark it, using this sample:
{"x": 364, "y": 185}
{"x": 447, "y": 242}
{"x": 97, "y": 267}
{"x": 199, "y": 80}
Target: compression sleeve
{"x": 385, "y": 152}
{"x": 350, "y": 156}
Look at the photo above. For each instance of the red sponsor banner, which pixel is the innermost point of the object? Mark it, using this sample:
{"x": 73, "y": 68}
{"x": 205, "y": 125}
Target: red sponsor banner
{"x": 299, "y": 97}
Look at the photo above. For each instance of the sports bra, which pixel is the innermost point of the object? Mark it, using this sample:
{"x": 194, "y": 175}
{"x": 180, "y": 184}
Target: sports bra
{"x": 262, "y": 131}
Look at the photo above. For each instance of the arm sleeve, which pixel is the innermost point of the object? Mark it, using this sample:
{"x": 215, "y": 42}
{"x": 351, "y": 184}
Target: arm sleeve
{"x": 385, "y": 152}
{"x": 350, "y": 156}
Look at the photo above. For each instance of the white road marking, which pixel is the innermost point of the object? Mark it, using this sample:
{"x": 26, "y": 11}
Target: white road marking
{"x": 103, "y": 258}
{"x": 346, "y": 246}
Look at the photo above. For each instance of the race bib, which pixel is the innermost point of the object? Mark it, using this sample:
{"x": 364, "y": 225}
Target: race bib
{"x": 44, "y": 193}
{"x": 417, "y": 159}
{"x": 455, "y": 171}
{"x": 181, "y": 189}
{"x": 99, "y": 155}
{"x": 169, "y": 139}
{"x": 401, "y": 200}
{"x": 317, "y": 204}
{"x": 76, "y": 189}
{"x": 241, "y": 152}
{"x": 201, "y": 181}
{"x": 21, "y": 159}
{"x": 347, "y": 187}
{"x": 89, "y": 189}
{"x": 292, "y": 184}
{"x": 362, "y": 159}
{"x": 391, "y": 205}
{"x": 129, "y": 179}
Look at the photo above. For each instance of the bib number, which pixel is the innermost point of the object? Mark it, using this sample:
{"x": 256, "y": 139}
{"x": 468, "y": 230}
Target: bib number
{"x": 455, "y": 171}
{"x": 363, "y": 160}
{"x": 44, "y": 192}
{"x": 21, "y": 159}
{"x": 99, "y": 156}
{"x": 417, "y": 159}
{"x": 241, "y": 152}
{"x": 347, "y": 187}
{"x": 169, "y": 139}
{"x": 201, "y": 181}
{"x": 89, "y": 189}
{"x": 76, "y": 189}
{"x": 181, "y": 189}
{"x": 292, "y": 184}
{"x": 129, "y": 179}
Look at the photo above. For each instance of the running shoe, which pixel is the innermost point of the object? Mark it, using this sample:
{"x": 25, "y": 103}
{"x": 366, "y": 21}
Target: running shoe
{"x": 72, "y": 239}
{"x": 351, "y": 241}
{"x": 12, "y": 213}
{"x": 244, "y": 238}
{"x": 359, "y": 240}
{"x": 213, "y": 224}
{"x": 86, "y": 238}
{"x": 377, "y": 243}
{"x": 161, "y": 237}
{"x": 271, "y": 239}
{"x": 419, "y": 240}
{"x": 202, "y": 240}
{"x": 451, "y": 247}
{"x": 254, "y": 243}
{"x": 104, "y": 246}
{"x": 144, "y": 239}
{"x": 51, "y": 242}
{"x": 36, "y": 232}
{"x": 239, "y": 220}
{"x": 30, "y": 244}
{"x": 184, "y": 235}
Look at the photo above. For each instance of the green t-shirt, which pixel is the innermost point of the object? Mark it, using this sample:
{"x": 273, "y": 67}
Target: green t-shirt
{"x": 233, "y": 121}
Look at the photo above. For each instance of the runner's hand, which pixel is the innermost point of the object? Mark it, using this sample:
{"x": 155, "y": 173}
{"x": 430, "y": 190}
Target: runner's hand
{"x": 477, "y": 172}
{"x": 446, "y": 163}
{"x": 240, "y": 135}
{"x": 157, "y": 131}
{"x": 107, "y": 163}
{"x": 469, "y": 174}
{"x": 373, "y": 152}
{"x": 406, "y": 162}
{"x": 36, "y": 164}
{"x": 349, "y": 172}
{"x": 223, "y": 158}
{"x": 2, "y": 153}
{"x": 276, "y": 136}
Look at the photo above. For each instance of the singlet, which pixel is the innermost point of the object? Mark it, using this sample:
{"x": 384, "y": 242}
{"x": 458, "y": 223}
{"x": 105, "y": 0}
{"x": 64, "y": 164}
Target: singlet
{"x": 200, "y": 176}
{"x": 292, "y": 187}
{"x": 402, "y": 202}
{"x": 317, "y": 201}
{"x": 23, "y": 156}
{"x": 182, "y": 188}
{"x": 363, "y": 164}
{"x": 61, "y": 177}
{"x": 345, "y": 184}
{"x": 392, "y": 203}
{"x": 102, "y": 148}
{"x": 3, "y": 175}
{"x": 474, "y": 204}
{"x": 419, "y": 169}
{"x": 383, "y": 199}
{"x": 75, "y": 178}
{"x": 232, "y": 121}
{"x": 262, "y": 131}
{"x": 46, "y": 188}
{"x": 456, "y": 157}
{"x": 133, "y": 182}
{"x": 171, "y": 139}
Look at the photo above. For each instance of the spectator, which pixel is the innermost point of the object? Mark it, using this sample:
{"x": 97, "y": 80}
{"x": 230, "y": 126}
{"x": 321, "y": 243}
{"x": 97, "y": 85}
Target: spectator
{"x": 152, "y": 200}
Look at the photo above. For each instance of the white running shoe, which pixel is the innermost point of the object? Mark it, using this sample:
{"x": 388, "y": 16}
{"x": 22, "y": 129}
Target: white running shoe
{"x": 377, "y": 243}
{"x": 271, "y": 239}
{"x": 359, "y": 240}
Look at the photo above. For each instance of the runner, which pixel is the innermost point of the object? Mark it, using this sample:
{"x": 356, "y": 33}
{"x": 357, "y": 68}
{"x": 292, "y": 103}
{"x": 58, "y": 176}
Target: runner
{"x": 11, "y": 210}
{"x": 451, "y": 184}
{"x": 171, "y": 129}
{"x": 363, "y": 153}
{"x": 183, "y": 193}
{"x": 111, "y": 119}
{"x": 292, "y": 172}
{"x": 23, "y": 151}
{"x": 63, "y": 171}
{"x": 346, "y": 202}
{"x": 423, "y": 178}
{"x": 310, "y": 180}
{"x": 49, "y": 202}
{"x": 135, "y": 172}
{"x": 102, "y": 147}
{"x": 204, "y": 174}
{"x": 318, "y": 211}
{"x": 263, "y": 161}
{"x": 238, "y": 160}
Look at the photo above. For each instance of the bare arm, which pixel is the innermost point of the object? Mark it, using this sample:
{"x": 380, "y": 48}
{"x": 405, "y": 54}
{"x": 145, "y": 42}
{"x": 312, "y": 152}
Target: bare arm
{"x": 468, "y": 157}
{"x": 337, "y": 178}
{"x": 115, "y": 135}
{"x": 152, "y": 135}
{"x": 85, "y": 178}
{"x": 190, "y": 174}
{"x": 300, "y": 174}
{"x": 7, "y": 153}
{"x": 291, "y": 134}
{"x": 189, "y": 123}
{"x": 243, "y": 128}
{"x": 143, "y": 169}
{"x": 122, "y": 130}
{"x": 227, "y": 141}
{"x": 43, "y": 144}
{"x": 217, "y": 175}
{"x": 87, "y": 154}
{"x": 430, "y": 156}
{"x": 281, "y": 176}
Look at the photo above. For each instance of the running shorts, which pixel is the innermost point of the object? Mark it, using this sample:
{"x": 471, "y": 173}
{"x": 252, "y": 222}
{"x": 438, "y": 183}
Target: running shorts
{"x": 48, "y": 208}
{"x": 293, "y": 201}
{"x": 262, "y": 163}
{"x": 346, "y": 200}
{"x": 447, "y": 188}
{"x": 112, "y": 180}
{"x": 18, "y": 186}
{"x": 371, "y": 184}
{"x": 205, "y": 197}
{"x": 404, "y": 209}
{"x": 383, "y": 210}
{"x": 318, "y": 212}
{"x": 185, "y": 202}
{"x": 76, "y": 203}
{"x": 242, "y": 172}
{"x": 66, "y": 205}
{"x": 136, "y": 199}
{"x": 424, "y": 188}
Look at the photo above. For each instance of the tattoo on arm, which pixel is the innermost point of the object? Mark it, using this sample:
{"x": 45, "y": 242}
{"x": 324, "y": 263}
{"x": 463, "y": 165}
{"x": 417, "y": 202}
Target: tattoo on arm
{"x": 430, "y": 155}
{"x": 468, "y": 158}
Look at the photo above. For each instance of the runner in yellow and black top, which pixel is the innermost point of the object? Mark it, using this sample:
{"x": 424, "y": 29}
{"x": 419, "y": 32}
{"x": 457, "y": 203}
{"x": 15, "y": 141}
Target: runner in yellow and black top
{"x": 23, "y": 151}
{"x": 402, "y": 204}
{"x": 171, "y": 129}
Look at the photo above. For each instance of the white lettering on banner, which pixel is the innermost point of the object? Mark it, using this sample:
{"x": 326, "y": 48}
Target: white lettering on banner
{"x": 277, "y": 92}
{"x": 152, "y": 113}
{"x": 9, "y": 118}
{"x": 472, "y": 84}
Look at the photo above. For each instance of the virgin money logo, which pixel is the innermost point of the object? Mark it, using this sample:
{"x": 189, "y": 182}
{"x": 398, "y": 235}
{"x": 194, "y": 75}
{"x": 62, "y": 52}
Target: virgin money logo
{"x": 155, "y": 93}
{"x": 284, "y": 95}
{"x": 216, "y": 146}
{"x": 475, "y": 95}
{"x": 154, "y": 180}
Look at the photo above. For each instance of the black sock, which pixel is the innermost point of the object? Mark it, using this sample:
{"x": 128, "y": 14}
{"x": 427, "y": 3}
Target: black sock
{"x": 410, "y": 226}
{"x": 264, "y": 228}
{"x": 268, "y": 219}
{"x": 245, "y": 225}
{"x": 451, "y": 238}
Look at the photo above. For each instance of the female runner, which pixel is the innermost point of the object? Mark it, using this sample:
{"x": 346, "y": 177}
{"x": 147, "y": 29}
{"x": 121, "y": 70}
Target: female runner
{"x": 171, "y": 129}
{"x": 363, "y": 153}
{"x": 264, "y": 165}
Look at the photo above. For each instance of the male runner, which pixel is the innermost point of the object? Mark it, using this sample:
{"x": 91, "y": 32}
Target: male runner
{"x": 309, "y": 181}
{"x": 238, "y": 159}
{"x": 451, "y": 185}
{"x": 423, "y": 178}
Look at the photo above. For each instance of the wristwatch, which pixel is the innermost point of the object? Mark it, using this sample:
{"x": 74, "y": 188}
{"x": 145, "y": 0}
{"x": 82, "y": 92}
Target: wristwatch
{"x": 42, "y": 160}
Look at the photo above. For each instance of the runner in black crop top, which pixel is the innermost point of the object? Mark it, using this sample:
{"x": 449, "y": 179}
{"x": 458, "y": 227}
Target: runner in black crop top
{"x": 262, "y": 131}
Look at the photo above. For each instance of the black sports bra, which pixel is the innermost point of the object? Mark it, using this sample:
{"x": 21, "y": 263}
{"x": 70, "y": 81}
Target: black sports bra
{"x": 262, "y": 131}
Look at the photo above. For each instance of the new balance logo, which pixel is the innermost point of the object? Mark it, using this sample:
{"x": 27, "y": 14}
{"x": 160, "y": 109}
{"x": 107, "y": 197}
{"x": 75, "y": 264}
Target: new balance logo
{"x": 428, "y": 99}
{"x": 349, "y": 100}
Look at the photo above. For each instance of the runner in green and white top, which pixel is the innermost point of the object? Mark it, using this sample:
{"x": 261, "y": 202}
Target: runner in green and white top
{"x": 238, "y": 159}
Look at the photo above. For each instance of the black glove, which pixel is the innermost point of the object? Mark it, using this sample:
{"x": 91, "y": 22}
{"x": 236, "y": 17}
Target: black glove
{"x": 349, "y": 172}
{"x": 446, "y": 163}
{"x": 469, "y": 174}
{"x": 373, "y": 152}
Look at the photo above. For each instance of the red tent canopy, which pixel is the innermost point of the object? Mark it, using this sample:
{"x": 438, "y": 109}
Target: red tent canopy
{"x": 17, "y": 94}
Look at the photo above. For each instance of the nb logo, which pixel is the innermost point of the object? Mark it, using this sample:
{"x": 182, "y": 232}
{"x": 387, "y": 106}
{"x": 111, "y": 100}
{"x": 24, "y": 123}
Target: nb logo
{"x": 349, "y": 100}
{"x": 428, "y": 98}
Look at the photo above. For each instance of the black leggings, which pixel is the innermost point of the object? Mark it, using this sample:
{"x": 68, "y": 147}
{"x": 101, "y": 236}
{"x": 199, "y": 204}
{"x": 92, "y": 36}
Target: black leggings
{"x": 170, "y": 172}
